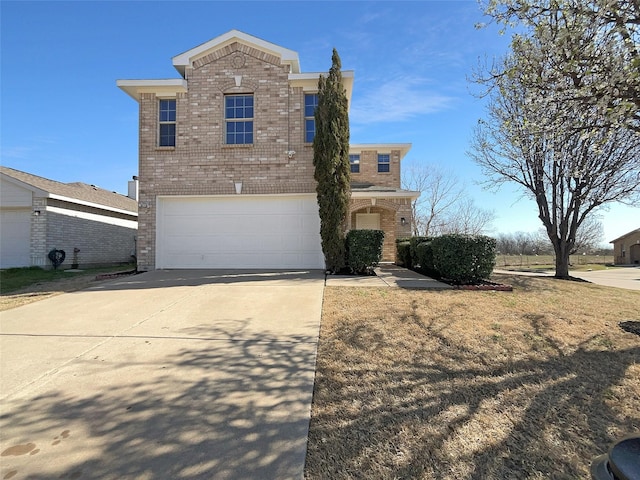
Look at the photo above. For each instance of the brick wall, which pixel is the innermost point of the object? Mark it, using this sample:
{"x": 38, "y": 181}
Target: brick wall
{"x": 630, "y": 245}
{"x": 99, "y": 243}
{"x": 201, "y": 163}
{"x": 369, "y": 169}
{"x": 391, "y": 213}
{"x": 38, "y": 247}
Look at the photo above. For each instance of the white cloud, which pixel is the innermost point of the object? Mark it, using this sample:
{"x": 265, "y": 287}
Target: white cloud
{"x": 396, "y": 100}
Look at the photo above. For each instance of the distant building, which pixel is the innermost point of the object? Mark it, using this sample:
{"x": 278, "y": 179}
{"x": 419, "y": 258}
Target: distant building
{"x": 626, "y": 249}
{"x": 38, "y": 215}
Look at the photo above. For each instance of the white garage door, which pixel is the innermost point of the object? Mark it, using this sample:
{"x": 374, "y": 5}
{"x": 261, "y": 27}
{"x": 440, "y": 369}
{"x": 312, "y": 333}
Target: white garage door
{"x": 15, "y": 234}
{"x": 238, "y": 232}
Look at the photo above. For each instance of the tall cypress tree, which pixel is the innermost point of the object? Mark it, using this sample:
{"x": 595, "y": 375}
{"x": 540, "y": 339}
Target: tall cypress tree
{"x": 331, "y": 162}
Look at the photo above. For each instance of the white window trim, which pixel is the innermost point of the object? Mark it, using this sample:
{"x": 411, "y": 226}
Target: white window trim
{"x": 175, "y": 123}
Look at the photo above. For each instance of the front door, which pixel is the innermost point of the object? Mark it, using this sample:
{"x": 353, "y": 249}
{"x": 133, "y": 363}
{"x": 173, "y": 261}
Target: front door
{"x": 367, "y": 221}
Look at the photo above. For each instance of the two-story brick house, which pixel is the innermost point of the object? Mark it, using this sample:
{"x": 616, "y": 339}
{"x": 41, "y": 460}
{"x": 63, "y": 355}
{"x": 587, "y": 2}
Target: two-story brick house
{"x": 226, "y": 163}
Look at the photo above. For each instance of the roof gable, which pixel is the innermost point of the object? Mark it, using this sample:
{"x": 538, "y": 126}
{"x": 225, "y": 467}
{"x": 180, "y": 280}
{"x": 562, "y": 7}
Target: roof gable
{"x": 632, "y": 232}
{"x": 186, "y": 59}
{"x": 75, "y": 192}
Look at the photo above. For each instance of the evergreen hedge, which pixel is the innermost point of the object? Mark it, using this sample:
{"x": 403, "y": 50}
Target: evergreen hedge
{"x": 364, "y": 250}
{"x": 403, "y": 248}
{"x": 414, "y": 242}
{"x": 424, "y": 258}
{"x": 464, "y": 259}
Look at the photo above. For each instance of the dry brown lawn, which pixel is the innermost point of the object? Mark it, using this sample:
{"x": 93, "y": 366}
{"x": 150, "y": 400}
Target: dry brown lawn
{"x": 526, "y": 384}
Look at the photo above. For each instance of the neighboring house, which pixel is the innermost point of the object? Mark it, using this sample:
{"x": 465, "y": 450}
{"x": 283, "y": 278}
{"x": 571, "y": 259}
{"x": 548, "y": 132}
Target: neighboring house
{"x": 226, "y": 163}
{"x": 626, "y": 249}
{"x": 39, "y": 215}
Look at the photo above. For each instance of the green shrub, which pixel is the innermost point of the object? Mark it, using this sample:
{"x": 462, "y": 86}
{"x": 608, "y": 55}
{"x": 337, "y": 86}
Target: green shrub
{"x": 403, "y": 253}
{"x": 414, "y": 242}
{"x": 424, "y": 257}
{"x": 364, "y": 250}
{"x": 464, "y": 259}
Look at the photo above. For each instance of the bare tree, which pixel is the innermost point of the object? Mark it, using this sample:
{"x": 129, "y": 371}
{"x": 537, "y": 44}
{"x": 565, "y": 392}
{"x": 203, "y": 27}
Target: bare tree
{"x": 524, "y": 243}
{"x": 589, "y": 236}
{"x": 505, "y": 244}
{"x": 440, "y": 191}
{"x": 468, "y": 218}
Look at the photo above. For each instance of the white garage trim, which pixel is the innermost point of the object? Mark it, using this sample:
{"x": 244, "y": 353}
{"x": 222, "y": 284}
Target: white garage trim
{"x": 15, "y": 246}
{"x": 238, "y": 231}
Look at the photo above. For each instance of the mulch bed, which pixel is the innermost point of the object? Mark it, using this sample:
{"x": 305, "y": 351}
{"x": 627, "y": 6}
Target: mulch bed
{"x": 483, "y": 286}
{"x": 106, "y": 276}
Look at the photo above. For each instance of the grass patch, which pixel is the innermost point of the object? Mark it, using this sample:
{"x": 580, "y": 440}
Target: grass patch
{"x": 547, "y": 262}
{"x": 20, "y": 286}
{"x": 488, "y": 385}
{"x": 12, "y": 279}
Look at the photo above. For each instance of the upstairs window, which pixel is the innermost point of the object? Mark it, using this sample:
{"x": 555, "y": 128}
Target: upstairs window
{"x": 238, "y": 114}
{"x": 167, "y": 123}
{"x": 310, "y": 104}
{"x": 383, "y": 163}
{"x": 354, "y": 162}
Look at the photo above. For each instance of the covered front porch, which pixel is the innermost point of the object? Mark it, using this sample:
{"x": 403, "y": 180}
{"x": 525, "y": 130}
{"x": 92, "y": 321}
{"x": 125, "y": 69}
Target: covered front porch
{"x": 382, "y": 208}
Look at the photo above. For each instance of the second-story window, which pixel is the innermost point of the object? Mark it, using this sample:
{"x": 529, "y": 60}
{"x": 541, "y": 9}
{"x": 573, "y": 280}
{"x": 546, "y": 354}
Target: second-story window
{"x": 238, "y": 115}
{"x": 310, "y": 104}
{"x": 383, "y": 163}
{"x": 167, "y": 123}
{"x": 354, "y": 162}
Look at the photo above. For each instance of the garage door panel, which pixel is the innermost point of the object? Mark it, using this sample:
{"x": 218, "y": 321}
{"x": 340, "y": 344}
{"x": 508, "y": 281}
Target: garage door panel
{"x": 238, "y": 232}
{"x": 15, "y": 228}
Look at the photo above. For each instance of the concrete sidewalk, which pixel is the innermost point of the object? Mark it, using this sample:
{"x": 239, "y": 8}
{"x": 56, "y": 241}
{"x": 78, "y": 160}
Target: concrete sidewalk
{"x": 619, "y": 277}
{"x": 388, "y": 275}
{"x": 167, "y": 374}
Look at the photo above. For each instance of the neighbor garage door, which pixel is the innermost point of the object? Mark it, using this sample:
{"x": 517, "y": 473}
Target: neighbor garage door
{"x": 238, "y": 232}
{"x": 15, "y": 234}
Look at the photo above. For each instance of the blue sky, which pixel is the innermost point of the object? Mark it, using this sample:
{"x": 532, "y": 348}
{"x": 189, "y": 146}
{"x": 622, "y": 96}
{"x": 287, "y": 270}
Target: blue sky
{"x": 63, "y": 117}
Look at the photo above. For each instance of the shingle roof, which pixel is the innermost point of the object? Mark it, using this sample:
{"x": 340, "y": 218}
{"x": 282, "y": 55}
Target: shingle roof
{"x": 76, "y": 190}
{"x": 370, "y": 187}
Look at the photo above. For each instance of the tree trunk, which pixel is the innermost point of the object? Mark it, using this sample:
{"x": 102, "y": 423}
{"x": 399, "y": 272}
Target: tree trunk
{"x": 562, "y": 260}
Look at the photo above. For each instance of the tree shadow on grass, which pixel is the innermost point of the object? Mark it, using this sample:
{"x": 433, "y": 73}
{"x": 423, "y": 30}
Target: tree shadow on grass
{"x": 464, "y": 416}
{"x": 212, "y": 403}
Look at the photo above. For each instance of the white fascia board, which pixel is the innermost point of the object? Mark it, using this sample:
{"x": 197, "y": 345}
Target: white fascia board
{"x": 183, "y": 60}
{"x": 165, "y": 87}
{"x": 309, "y": 81}
{"x": 380, "y": 147}
{"x": 404, "y": 194}
{"x": 91, "y": 204}
{"x": 239, "y": 196}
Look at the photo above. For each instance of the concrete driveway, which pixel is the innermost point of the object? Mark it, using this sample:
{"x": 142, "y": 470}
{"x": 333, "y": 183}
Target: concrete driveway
{"x": 621, "y": 277}
{"x": 166, "y": 374}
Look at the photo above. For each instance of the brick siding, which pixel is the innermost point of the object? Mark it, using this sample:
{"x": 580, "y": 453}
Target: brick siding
{"x": 369, "y": 169}
{"x": 391, "y": 213}
{"x": 100, "y": 243}
{"x": 201, "y": 163}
